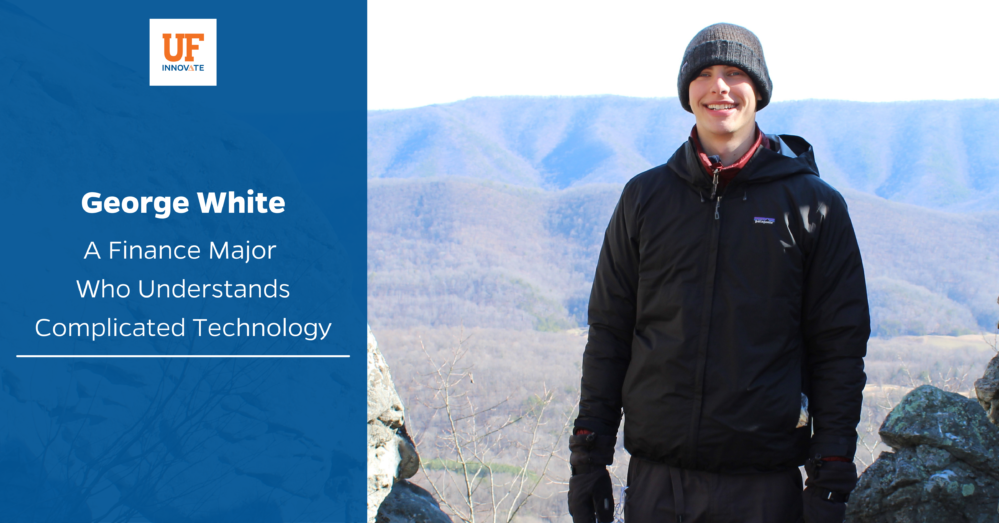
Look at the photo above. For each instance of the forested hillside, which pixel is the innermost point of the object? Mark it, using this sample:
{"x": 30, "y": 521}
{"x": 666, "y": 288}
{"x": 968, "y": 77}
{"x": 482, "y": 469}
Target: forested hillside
{"x": 444, "y": 252}
{"x": 490, "y": 212}
{"x": 486, "y": 217}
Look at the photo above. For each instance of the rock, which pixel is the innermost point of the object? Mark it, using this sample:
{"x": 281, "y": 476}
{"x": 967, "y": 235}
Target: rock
{"x": 408, "y": 503}
{"x": 392, "y": 457}
{"x": 384, "y": 403}
{"x": 986, "y": 388}
{"x": 945, "y": 464}
{"x": 944, "y": 420}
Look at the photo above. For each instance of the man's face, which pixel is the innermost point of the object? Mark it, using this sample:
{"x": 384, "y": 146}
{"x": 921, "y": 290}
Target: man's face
{"x": 723, "y": 100}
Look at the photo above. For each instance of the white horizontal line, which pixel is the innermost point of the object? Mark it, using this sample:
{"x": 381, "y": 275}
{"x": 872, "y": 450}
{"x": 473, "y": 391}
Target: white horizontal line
{"x": 182, "y": 355}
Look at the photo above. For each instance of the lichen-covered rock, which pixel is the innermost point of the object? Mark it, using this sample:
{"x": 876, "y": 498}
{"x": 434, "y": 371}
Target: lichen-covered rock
{"x": 391, "y": 454}
{"x": 408, "y": 503}
{"x": 945, "y": 420}
{"x": 943, "y": 468}
{"x": 986, "y": 388}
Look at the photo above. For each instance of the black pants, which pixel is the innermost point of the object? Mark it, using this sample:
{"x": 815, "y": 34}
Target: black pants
{"x": 652, "y": 496}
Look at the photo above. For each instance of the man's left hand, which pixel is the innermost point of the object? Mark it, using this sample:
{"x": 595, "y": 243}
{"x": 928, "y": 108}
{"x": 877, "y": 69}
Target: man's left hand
{"x": 591, "y": 497}
{"x": 819, "y": 510}
{"x": 829, "y": 485}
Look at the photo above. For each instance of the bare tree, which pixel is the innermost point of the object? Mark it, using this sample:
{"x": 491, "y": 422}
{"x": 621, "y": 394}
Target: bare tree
{"x": 488, "y": 460}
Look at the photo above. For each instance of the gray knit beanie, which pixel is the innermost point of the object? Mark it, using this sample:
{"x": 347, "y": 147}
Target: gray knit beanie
{"x": 724, "y": 44}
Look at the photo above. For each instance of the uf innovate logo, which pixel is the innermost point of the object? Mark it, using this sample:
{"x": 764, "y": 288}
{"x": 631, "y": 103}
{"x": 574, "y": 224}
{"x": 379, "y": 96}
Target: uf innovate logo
{"x": 182, "y": 52}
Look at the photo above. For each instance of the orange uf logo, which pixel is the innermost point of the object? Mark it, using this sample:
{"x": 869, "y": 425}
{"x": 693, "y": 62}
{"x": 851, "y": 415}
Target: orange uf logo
{"x": 181, "y": 39}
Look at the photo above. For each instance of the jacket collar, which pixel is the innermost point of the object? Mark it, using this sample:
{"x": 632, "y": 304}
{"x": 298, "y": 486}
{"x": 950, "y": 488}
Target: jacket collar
{"x": 727, "y": 172}
{"x": 789, "y": 155}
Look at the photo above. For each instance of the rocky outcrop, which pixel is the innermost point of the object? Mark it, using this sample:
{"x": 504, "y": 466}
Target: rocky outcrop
{"x": 986, "y": 388}
{"x": 391, "y": 454}
{"x": 408, "y": 503}
{"x": 944, "y": 468}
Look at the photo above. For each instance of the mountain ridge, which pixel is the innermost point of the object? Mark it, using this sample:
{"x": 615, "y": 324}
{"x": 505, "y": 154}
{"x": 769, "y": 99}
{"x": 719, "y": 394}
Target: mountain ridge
{"x": 941, "y": 155}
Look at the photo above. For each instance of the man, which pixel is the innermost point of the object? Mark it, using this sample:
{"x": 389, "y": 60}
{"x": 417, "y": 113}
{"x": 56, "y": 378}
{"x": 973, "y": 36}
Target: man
{"x": 728, "y": 320}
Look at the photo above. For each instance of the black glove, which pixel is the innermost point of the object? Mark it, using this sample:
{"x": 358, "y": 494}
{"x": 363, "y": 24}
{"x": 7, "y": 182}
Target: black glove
{"x": 590, "y": 490}
{"x": 591, "y": 493}
{"x": 827, "y": 490}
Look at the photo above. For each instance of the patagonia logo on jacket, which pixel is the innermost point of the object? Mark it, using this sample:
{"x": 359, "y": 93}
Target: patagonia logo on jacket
{"x": 763, "y": 220}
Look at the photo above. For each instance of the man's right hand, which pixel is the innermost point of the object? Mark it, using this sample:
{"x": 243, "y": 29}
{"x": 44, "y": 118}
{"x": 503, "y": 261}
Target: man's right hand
{"x": 591, "y": 495}
{"x": 590, "y": 489}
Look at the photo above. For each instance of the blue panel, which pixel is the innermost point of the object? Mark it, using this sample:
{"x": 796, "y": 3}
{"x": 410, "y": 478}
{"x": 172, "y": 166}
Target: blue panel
{"x": 245, "y": 420}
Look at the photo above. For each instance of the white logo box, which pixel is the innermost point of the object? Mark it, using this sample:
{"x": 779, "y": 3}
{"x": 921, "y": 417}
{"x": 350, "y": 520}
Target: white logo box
{"x": 203, "y": 70}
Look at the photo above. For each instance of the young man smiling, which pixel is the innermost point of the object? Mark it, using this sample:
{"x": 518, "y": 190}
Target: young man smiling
{"x": 728, "y": 321}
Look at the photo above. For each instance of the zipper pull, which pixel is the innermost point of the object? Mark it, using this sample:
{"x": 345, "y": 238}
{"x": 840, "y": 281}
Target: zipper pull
{"x": 717, "y": 205}
{"x": 714, "y": 184}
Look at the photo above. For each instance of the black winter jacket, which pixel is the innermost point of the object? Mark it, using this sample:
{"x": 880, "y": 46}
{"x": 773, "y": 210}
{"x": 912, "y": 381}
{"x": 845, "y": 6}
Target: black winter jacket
{"x": 709, "y": 317}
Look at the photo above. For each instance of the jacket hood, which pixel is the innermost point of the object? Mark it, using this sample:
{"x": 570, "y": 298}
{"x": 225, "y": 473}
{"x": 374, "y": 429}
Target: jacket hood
{"x": 794, "y": 156}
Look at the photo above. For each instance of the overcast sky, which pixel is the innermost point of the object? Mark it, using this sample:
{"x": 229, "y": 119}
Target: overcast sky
{"x": 439, "y": 51}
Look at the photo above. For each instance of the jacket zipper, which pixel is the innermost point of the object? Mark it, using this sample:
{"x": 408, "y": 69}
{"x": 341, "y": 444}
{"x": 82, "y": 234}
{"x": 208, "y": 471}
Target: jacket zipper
{"x": 714, "y": 191}
{"x": 689, "y": 454}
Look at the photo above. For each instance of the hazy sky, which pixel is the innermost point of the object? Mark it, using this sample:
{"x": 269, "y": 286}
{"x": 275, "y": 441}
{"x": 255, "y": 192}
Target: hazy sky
{"x": 435, "y": 51}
